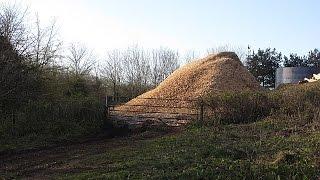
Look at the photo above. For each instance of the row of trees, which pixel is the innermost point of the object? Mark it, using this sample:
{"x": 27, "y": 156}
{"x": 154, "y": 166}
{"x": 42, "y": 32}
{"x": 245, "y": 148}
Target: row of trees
{"x": 34, "y": 64}
{"x": 137, "y": 69}
{"x": 39, "y": 52}
{"x": 312, "y": 59}
{"x": 263, "y": 63}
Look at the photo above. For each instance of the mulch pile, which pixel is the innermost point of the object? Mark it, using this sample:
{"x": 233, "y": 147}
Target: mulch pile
{"x": 213, "y": 74}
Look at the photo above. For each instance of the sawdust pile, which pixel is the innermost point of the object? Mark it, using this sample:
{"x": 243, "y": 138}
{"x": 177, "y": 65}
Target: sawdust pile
{"x": 212, "y": 74}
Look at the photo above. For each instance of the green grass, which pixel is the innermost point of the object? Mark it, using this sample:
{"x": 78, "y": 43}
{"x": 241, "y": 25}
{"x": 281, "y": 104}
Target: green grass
{"x": 41, "y": 124}
{"x": 284, "y": 143}
{"x": 264, "y": 149}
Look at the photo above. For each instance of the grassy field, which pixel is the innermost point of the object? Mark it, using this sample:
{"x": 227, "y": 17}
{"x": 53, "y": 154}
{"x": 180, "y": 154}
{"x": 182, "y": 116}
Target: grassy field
{"x": 274, "y": 148}
{"x": 284, "y": 144}
{"x": 267, "y": 149}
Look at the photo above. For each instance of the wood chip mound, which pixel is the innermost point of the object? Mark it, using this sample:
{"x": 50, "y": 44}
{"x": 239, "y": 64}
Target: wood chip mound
{"x": 213, "y": 74}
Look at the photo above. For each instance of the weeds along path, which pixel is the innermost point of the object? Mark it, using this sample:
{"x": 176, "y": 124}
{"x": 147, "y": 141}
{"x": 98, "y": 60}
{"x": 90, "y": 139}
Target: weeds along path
{"x": 43, "y": 164}
{"x": 281, "y": 148}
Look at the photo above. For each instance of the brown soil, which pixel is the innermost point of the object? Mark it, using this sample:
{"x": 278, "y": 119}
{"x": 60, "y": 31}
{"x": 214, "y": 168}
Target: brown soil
{"x": 49, "y": 162}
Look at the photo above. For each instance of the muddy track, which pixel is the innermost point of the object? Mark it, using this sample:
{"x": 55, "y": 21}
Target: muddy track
{"x": 48, "y": 162}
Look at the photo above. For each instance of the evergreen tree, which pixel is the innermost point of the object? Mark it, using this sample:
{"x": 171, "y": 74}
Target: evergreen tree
{"x": 263, "y": 65}
{"x": 314, "y": 58}
{"x": 295, "y": 61}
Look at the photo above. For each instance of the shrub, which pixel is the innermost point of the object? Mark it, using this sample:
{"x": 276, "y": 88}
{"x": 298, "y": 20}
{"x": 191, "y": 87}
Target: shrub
{"x": 296, "y": 99}
{"x": 62, "y": 119}
{"x": 242, "y": 107}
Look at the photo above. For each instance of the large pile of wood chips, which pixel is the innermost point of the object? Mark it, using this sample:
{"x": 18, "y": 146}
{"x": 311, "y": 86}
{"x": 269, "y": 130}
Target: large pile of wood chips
{"x": 212, "y": 74}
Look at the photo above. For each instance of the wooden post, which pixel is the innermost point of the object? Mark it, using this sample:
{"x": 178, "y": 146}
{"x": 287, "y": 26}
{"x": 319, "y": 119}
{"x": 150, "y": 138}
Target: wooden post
{"x": 13, "y": 124}
{"x": 201, "y": 111}
{"x": 107, "y": 108}
{"x": 106, "y": 101}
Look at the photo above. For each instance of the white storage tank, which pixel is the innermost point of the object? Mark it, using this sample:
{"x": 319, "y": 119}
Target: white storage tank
{"x": 287, "y": 75}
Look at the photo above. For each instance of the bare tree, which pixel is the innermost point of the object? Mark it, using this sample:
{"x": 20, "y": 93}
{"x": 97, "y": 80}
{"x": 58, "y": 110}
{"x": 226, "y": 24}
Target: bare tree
{"x": 138, "y": 69}
{"x": 240, "y": 51}
{"x": 81, "y": 60}
{"x": 13, "y": 26}
{"x": 113, "y": 70}
{"x": 155, "y": 68}
{"x": 45, "y": 44}
{"x": 20, "y": 81}
{"x": 131, "y": 58}
{"x": 39, "y": 44}
{"x": 145, "y": 71}
{"x": 189, "y": 56}
{"x": 132, "y": 62}
{"x": 136, "y": 66}
{"x": 164, "y": 62}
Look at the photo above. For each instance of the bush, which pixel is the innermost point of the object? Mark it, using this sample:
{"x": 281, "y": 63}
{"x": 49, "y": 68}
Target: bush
{"x": 242, "y": 107}
{"x": 296, "y": 99}
{"x": 245, "y": 107}
{"x": 62, "y": 119}
{"x": 21, "y": 80}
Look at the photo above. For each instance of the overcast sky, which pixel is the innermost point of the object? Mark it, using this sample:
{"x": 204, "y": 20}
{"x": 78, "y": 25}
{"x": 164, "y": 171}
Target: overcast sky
{"x": 288, "y": 25}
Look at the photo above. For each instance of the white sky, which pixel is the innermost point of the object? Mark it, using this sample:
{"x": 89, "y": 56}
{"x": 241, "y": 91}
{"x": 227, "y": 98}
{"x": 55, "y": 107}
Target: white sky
{"x": 290, "y": 26}
{"x": 79, "y": 23}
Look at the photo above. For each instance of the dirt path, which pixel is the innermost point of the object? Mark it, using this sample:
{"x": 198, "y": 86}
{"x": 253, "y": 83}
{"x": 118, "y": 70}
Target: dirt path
{"x": 43, "y": 164}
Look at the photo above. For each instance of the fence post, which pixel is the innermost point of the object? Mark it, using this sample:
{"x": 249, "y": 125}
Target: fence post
{"x": 13, "y": 124}
{"x": 201, "y": 111}
{"x": 107, "y": 108}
